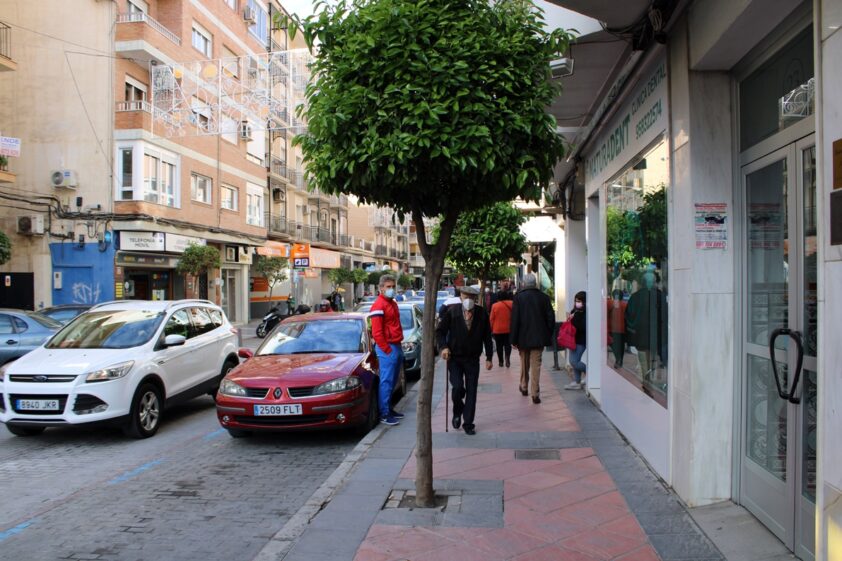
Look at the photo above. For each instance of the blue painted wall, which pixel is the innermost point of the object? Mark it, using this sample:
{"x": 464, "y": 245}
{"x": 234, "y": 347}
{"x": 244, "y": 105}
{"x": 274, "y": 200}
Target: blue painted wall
{"x": 87, "y": 273}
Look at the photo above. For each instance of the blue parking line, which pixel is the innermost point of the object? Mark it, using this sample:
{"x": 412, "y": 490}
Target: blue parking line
{"x": 134, "y": 472}
{"x": 214, "y": 434}
{"x": 17, "y": 529}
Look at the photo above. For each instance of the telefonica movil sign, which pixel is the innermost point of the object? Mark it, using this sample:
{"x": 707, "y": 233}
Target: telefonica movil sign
{"x": 640, "y": 120}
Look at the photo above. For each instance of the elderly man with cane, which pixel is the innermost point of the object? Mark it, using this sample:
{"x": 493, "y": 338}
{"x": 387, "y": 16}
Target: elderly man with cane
{"x": 461, "y": 335}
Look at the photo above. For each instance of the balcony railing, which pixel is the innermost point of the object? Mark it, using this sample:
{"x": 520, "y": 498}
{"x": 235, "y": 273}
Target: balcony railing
{"x": 380, "y": 250}
{"x": 278, "y": 167}
{"x": 134, "y": 106}
{"x": 393, "y": 253}
{"x": 5, "y": 41}
{"x": 136, "y": 17}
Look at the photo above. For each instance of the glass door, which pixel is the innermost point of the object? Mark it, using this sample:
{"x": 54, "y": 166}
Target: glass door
{"x": 779, "y": 343}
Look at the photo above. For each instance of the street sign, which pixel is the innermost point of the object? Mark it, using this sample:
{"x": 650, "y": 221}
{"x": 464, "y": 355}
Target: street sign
{"x": 301, "y": 262}
{"x": 9, "y": 146}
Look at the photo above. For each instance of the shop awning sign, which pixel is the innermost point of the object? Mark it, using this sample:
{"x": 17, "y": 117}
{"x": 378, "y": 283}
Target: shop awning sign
{"x": 177, "y": 243}
{"x": 142, "y": 241}
{"x": 301, "y": 255}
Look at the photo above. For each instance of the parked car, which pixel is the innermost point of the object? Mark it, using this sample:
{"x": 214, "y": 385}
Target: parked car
{"x": 120, "y": 362}
{"x": 22, "y": 331}
{"x": 316, "y": 371}
{"x": 63, "y": 313}
{"x": 412, "y": 318}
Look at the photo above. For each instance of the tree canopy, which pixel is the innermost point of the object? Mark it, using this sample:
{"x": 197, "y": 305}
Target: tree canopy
{"x": 340, "y": 276}
{"x": 273, "y": 269}
{"x": 5, "y": 248}
{"x": 198, "y": 259}
{"x": 487, "y": 239}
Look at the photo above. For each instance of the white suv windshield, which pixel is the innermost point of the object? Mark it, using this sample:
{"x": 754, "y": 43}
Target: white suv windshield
{"x": 121, "y": 329}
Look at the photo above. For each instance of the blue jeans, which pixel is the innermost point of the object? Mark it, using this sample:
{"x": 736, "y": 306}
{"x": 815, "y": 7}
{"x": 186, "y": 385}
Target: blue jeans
{"x": 390, "y": 370}
{"x": 579, "y": 367}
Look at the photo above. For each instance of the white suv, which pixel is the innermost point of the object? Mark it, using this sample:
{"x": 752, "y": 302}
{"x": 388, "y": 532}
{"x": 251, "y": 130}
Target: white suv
{"x": 119, "y": 362}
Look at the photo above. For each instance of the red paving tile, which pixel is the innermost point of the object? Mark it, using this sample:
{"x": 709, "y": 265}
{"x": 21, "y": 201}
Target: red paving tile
{"x": 554, "y": 510}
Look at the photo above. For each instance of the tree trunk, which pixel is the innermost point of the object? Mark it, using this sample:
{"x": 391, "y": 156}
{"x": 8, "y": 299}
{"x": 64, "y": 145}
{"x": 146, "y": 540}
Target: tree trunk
{"x": 433, "y": 266}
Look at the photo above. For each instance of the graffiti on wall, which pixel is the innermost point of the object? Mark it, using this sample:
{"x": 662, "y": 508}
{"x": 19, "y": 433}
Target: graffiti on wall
{"x": 85, "y": 293}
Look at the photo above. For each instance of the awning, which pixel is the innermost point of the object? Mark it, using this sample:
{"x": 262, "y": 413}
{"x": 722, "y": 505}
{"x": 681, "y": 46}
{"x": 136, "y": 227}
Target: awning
{"x": 274, "y": 249}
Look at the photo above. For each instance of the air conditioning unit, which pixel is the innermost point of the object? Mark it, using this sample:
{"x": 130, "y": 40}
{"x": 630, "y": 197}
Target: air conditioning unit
{"x": 248, "y": 15}
{"x": 31, "y": 224}
{"x": 64, "y": 178}
{"x": 278, "y": 195}
{"x": 561, "y": 67}
{"x": 245, "y": 130}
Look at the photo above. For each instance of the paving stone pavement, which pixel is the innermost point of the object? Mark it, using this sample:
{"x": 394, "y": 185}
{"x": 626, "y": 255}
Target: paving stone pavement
{"x": 554, "y": 481}
{"x": 191, "y": 492}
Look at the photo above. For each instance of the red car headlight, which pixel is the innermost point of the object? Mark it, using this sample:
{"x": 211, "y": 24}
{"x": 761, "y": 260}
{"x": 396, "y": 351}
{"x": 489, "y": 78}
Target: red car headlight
{"x": 342, "y": 384}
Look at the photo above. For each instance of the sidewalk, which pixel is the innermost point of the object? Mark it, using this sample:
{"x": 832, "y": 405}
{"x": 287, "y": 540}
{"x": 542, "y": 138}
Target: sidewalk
{"x": 553, "y": 481}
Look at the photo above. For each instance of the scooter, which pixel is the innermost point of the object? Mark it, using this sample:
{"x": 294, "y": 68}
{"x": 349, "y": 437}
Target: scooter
{"x": 274, "y": 317}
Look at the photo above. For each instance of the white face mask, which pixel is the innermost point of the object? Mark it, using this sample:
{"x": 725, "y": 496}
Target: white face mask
{"x": 467, "y": 304}
{"x": 579, "y": 305}
{"x": 389, "y": 293}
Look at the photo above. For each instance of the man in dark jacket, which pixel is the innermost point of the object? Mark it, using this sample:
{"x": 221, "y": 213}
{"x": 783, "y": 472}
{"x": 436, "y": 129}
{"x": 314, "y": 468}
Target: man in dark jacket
{"x": 533, "y": 320}
{"x": 460, "y": 337}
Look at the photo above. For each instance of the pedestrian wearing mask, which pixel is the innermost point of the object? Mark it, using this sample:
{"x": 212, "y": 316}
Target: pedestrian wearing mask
{"x": 462, "y": 334}
{"x": 501, "y": 320}
{"x": 388, "y": 334}
{"x": 577, "y": 317}
{"x": 531, "y": 330}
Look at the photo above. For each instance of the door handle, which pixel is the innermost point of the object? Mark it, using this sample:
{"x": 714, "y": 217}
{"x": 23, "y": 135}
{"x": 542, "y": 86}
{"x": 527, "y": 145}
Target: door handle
{"x": 11, "y": 342}
{"x": 795, "y": 336}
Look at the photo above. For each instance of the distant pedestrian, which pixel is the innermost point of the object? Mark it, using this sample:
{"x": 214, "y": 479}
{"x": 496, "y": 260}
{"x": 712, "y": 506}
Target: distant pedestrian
{"x": 501, "y": 321}
{"x": 531, "y": 330}
{"x": 388, "y": 334}
{"x": 577, "y": 317}
{"x": 460, "y": 337}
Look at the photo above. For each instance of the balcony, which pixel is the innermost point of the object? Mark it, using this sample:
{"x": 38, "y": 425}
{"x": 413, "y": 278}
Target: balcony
{"x": 133, "y": 115}
{"x": 338, "y": 202}
{"x": 139, "y": 36}
{"x": 6, "y": 62}
{"x": 393, "y": 253}
{"x": 317, "y": 195}
{"x": 278, "y": 226}
{"x": 380, "y": 251}
{"x": 278, "y": 168}
{"x": 416, "y": 260}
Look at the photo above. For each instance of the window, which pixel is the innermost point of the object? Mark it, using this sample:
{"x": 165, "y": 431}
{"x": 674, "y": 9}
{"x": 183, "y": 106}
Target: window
{"x": 636, "y": 254}
{"x": 201, "y": 321}
{"x": 231, "y": 4}
{"x": 135, "y": 91}
{"x": 146, "y": 173}
{"x": 202, "y": 41}
{"x": 151, "y": 167}
{"x": 228, "y": 197}
{"x": 254, "y": 199}
{"x": 216, "y": 317}
{"x": 178, "y": 324}
{"x": 201, "y": 113}
{"x": 138, "y": 7}
{"x": 6, "y": 325}
{"x": 229, "y": 129}
{"x": 230, "y": 63}
{"x": 260, "y": 27}
{"x": 126, "y": 178}
{"x": 200, "y": 188}
{"x": 256, "y": 148}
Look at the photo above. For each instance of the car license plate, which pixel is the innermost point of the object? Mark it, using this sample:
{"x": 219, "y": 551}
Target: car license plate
{"x": 38, "y": 405}
{"x": 278, "y": 410}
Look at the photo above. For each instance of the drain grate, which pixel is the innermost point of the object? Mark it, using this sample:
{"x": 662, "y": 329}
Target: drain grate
{"x": 444, "y": 500}
{"x": 536, "y": 455}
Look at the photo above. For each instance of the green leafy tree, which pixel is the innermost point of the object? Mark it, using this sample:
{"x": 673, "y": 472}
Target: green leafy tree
{"x": 198, "y": 259}
{"x": 501, "y": 272}
{"x": 427, "y": 106}
{"x": 652, "y": 217}
{"x": 359, "y": 276}
{"x": 374, "y": 277}
{"x": 273, "y": 269}
{"x": 486, "y": 239}
{"x": 405, "y": 281}
{"x": 5, "y": 248}
{"x": 340, "y": 276}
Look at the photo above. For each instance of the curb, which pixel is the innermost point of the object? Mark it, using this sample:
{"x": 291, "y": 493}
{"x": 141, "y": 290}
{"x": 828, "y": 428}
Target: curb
{"x": 283, "y": 540}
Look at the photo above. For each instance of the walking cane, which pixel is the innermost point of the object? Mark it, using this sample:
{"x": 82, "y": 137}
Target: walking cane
{"x": 446, "y": 392}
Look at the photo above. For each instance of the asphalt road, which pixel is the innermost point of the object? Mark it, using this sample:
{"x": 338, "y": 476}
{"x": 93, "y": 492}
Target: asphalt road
{"x": 189, "y": 493}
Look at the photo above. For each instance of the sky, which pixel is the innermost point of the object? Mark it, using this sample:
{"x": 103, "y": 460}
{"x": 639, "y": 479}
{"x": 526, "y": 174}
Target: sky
{"x": 555, "y": 16}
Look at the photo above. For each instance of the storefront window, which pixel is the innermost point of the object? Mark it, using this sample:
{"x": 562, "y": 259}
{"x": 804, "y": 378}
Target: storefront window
{"x": 636, "y": 259}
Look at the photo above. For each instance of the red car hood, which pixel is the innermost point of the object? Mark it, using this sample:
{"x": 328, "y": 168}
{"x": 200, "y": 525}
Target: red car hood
{"x": 304, "y": 369}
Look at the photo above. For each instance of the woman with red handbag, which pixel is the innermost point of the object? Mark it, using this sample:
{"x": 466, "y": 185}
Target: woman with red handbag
{"x": 577, "y": 318}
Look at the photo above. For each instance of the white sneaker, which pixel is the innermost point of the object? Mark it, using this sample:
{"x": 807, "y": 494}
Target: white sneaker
{"x": 573, "y": 386}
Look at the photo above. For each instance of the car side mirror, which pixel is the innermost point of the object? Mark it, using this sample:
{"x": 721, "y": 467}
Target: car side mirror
{"x": 245, "y": 354}
{"x": 174, "y": 340}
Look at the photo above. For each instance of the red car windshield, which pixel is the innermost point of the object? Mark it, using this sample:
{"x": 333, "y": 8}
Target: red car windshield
{"x": 327, "y": 336}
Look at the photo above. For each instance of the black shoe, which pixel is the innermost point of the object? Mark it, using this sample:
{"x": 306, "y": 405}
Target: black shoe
{"x": 501, "y": 364}
{"x": 508, "y": 364}
{"x": 524, "y": 392}
{"x": 470, "y": 430}
{"x": 395, "y": 414}
{"x": 536, "y": 399}
{"x": 457, "y": 422}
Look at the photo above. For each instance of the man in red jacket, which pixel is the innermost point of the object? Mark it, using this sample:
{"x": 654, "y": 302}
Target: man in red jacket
{"x": 388, "y": 334}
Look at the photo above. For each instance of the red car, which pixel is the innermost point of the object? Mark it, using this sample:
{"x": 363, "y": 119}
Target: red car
{"x": 312, "y": 371}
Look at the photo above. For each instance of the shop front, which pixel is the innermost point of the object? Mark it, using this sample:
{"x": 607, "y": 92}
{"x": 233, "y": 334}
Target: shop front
{"x": 263, "y": 295}
{"x": 627, "y": 180}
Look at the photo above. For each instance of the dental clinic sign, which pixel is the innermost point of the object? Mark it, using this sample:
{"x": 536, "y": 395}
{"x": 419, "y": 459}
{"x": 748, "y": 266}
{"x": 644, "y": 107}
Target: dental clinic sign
{"x": 641, "y": 119}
